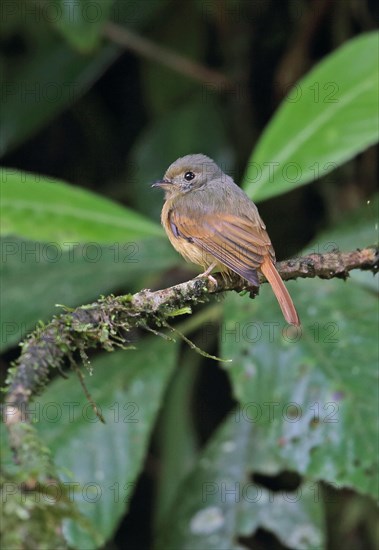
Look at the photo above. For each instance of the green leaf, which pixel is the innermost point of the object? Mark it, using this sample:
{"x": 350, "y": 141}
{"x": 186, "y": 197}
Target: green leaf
{"x": 51, "y": 75}
{"x": 177, "y": 438}
{"x": 81, "y": 21}
{"x": 36, "y": 276}
{"x": 53, "y": 78}
{"x": 41, "y": 208}
{"x": 102, "y": 462}
{"x": 218, "y": 503}
{"x": 330, "y": 116}
{"x": 309, "y": 392}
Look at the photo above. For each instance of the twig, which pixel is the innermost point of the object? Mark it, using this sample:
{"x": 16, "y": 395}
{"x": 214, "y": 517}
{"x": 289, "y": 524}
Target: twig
{"x": 142, "y": 46}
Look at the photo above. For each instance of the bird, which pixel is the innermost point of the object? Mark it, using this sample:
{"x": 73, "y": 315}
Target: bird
{"x": 211, "y": 222}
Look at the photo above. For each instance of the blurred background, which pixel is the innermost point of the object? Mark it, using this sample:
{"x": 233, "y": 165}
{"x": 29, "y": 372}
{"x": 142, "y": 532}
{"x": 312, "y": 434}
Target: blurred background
{"x": 109, "y": 106}
{"x": 113, "y": 118}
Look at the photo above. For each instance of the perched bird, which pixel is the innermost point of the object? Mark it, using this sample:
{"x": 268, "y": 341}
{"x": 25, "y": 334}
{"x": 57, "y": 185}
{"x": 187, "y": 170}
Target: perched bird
{"x": 213, "y": 223}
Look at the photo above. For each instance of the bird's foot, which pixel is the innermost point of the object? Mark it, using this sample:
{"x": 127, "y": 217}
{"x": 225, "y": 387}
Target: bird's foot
{"x": 207, "y": 274}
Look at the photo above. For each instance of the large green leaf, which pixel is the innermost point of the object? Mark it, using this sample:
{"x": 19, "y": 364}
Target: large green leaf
{"x": 329, "y": 117}
{"x": 311, "y": 393}
{"x": 81, "y": 21}
{"x": 36, "y": 276}
{"x": 102, "y": 462}
{"x": 218, "y": 503}
{"x": 40, "y": 208}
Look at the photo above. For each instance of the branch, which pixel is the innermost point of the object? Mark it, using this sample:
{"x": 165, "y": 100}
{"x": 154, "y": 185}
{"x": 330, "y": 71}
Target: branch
{"x": 106, "y": 322}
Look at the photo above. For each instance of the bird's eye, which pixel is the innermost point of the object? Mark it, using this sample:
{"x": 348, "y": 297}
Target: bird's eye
{"x": 188, "y": 176}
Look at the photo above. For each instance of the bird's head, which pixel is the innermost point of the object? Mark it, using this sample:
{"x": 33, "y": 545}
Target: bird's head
{"x": 188, "y": 173}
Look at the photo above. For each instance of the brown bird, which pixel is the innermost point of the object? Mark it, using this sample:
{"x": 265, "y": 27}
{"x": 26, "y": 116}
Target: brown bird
{"x": 213, "y": 223}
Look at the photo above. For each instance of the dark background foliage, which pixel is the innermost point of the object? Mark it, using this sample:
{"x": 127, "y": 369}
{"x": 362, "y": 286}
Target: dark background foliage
{"x": 117, "y": 119}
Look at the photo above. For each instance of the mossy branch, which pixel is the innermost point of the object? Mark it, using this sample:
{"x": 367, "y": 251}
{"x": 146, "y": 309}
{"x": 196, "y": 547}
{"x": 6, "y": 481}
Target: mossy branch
{"x": 106, "y": 322}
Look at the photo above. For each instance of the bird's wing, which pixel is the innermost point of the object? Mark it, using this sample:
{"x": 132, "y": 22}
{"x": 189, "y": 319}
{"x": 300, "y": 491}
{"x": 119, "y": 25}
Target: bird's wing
{"x": 235, "y": 241}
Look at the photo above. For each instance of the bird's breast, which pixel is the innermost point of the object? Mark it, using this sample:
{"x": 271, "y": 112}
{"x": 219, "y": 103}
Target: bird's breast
{"x": 184, "y": 244}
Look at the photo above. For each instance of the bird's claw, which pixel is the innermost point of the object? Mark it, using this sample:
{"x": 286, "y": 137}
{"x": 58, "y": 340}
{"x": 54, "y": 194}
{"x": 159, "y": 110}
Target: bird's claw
{"x": 207, "y": 274}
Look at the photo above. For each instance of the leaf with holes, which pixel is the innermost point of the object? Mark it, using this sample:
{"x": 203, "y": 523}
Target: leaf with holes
{"x": 310, "y": 393}
{"x": 218, "y": 503}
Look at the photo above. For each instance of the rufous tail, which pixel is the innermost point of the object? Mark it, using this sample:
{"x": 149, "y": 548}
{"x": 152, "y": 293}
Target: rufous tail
{"x": 282, "y": 295}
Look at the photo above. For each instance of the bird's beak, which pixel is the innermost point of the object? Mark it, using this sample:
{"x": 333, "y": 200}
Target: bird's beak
{"x": 162, "y": 183}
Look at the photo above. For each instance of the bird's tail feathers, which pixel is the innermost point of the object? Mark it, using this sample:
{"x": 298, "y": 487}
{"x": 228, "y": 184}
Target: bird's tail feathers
{"x": 282, "y": 295}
